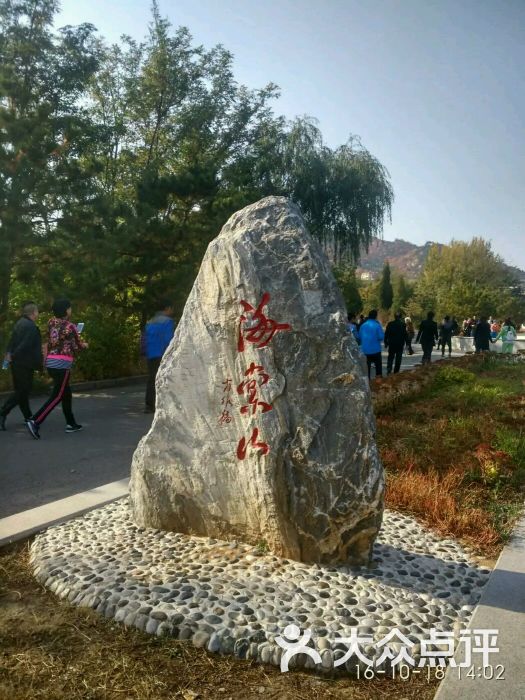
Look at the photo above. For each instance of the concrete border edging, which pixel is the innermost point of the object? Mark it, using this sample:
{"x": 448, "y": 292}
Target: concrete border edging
{"x": 502, "y": 608}
{"x": 21, "y": 525}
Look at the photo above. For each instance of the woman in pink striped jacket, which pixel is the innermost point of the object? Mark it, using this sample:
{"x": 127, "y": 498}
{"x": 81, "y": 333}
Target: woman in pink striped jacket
{"x": 63, "y": 346}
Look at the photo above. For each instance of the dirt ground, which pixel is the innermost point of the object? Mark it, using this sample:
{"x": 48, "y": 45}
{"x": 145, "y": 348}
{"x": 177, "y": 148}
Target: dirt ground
{"x": 51, "y": 650}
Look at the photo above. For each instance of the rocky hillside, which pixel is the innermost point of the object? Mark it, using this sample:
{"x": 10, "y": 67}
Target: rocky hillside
{"x": 404, "y": 257}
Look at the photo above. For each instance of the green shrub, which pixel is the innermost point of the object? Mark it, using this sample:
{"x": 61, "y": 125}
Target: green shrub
{"x": 513, "y": 443}
{"x": 476, "y": 397}
{"x": 114, "y": 345}
{"x": 453, "y": 375}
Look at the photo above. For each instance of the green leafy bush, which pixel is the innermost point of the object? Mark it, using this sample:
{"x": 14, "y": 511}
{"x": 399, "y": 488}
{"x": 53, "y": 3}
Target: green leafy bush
{"x": 453, "y": 375}
{"x": 114, "y": 345}
{"x": 513, "y": 443}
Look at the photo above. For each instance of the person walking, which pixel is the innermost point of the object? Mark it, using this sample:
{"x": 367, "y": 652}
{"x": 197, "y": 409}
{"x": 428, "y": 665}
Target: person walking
{"x": 157, "y": 336}
{"x": 24, "y": 355}
{"x": 63, "y": 346}
{"x": 371, "y": 336}
{"x": 508, "y": 335}
{"x": 439, "y": 335}
{"x": 495, "y": 329}
{"x": 482, "y": 335}
{"x": 445, "y": 334}
{"x": 410, "y": 334}
{"x": 427, "y": 336}
{"x": 395, "y": 340}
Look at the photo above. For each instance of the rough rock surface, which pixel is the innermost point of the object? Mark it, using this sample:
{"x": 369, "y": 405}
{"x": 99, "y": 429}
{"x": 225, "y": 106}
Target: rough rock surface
{"x": 264, "y": 430}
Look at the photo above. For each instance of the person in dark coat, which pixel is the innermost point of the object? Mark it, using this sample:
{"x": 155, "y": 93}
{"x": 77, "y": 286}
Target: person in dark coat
{"x": 411, "y": 334}
{"x": 427, "y": 336}
{"x": 395, "y": 339}
{"x": 445, "y": 333}
{"x": 482, "y": 335}
{"x": 24, "y": 354}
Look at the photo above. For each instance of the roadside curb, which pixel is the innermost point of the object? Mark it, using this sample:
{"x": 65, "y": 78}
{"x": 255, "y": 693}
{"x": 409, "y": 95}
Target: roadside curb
{"x": 94, "y": 384}
{"x": 501, "y": 608}
{"x": 21, "y": 525}
{"x": 108, "y": 383}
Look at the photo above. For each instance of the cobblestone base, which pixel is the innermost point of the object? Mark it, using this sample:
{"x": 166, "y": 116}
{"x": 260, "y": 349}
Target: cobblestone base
{"x": 233, "y": 599}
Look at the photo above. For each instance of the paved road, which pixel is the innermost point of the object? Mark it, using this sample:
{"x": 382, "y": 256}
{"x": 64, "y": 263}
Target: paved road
{"x": 36, "y": 472}
{"x": 410, "y": 361}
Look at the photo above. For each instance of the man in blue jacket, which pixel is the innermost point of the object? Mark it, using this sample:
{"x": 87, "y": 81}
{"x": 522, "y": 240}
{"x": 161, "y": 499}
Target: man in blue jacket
{"x": 157, "y": 336}
{"x": 371, "y": 336}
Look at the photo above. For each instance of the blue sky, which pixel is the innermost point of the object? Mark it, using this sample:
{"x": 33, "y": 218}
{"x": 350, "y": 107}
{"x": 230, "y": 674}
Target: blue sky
{"x": 435, "y": 89}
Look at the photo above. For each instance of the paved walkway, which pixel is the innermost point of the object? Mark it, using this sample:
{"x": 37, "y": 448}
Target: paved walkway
{"x": 410, "y": 361}
{"x": 501, "y": 608}
{"x": 36, "y": 472}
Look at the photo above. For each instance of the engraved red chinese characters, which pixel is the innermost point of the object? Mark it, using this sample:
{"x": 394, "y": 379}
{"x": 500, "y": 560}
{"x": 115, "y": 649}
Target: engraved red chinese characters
{"x": 264, "y": 329}
{"x": 226, "y": 401}
{"x": 249, "y": 387}
{"x": 225, "y": 417}
{"x": 253, "y": 442}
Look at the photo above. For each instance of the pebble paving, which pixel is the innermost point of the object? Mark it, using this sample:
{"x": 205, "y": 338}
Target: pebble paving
{"x": 232, "y": 598}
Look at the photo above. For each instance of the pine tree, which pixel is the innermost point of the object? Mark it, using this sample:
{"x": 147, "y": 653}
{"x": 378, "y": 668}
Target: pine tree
{"x": 386, "y": 293}
{"x": 119, "y": 164}
{"x": 403, "y": 292}
{"x": 44, "y": 131}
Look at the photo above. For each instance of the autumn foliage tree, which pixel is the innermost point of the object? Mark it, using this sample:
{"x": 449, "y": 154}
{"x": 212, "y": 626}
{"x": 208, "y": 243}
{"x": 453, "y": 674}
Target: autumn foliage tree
{"x": 465, "y": 279}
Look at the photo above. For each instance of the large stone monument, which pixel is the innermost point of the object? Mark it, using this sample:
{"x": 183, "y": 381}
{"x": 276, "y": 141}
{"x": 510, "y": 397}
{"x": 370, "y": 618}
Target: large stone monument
{"x": 264, "y": 430}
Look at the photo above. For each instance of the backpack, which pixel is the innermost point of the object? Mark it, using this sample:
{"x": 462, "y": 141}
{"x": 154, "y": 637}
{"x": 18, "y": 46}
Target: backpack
{"x": 510, "y": 334}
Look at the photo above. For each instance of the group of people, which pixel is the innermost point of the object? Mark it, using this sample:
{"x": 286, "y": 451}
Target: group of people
{"x": 27, "y": 354}
{"x": 399, "y": 335}
{"x": 486, "y": 330}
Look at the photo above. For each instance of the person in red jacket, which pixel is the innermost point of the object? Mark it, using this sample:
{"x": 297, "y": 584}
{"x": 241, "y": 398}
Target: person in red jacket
{"x": 63, "y": 346}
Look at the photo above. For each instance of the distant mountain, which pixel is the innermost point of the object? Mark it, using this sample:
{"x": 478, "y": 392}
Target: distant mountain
{"x": 405, "y": 258}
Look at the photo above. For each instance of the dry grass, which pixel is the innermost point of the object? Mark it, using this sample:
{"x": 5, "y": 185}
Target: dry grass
{"x": 433, "y": 498}
{"x": 50, "y": 650}
{"x": 454, "y": 450}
